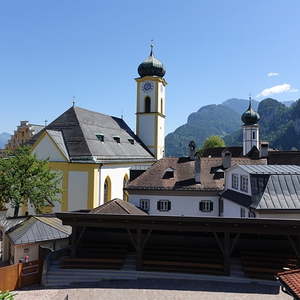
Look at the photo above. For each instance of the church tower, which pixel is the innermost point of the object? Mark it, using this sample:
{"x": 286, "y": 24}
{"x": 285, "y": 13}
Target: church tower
{"x": 150, "y": 110}
{"x": 250, "y": 119}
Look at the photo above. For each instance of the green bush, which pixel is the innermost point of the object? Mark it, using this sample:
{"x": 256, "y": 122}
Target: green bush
{"x": 7, "y": 296}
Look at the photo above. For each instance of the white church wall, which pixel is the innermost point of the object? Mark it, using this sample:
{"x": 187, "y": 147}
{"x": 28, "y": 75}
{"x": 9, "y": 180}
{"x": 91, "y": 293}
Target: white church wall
{"x": 46, "y": 149}
{"x": 180, "y": 205}
{"x": 282, "y": 215}
{"x": 77, "y": 190}
{"x": 116, "y": 174}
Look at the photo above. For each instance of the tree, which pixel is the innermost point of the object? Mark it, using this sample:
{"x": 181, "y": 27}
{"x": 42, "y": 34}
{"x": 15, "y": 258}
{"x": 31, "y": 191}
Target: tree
{"x": 25, "y": 179}
{"x": 213, "y": 141}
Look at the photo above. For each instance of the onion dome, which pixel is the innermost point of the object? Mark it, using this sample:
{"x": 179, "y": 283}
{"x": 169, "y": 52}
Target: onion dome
{"x": 250, "y": 116}
{"x": 151, "y": 66}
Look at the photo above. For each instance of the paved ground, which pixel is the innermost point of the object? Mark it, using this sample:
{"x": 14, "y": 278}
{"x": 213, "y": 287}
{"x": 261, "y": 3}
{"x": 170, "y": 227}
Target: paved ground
{"x": 158, "y": 290}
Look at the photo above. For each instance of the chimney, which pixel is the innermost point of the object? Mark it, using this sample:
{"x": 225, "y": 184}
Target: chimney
{"x": 226, "y": 159}
{"x": 264, "y": 150}
{"x": 192, "y": 150}
{"x": 197, "y": 169}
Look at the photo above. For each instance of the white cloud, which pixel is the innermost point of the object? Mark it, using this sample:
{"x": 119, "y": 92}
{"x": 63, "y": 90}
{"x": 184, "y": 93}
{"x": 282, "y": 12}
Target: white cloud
{"x": 271, "y": 74}
{"x": 277, "y": 89}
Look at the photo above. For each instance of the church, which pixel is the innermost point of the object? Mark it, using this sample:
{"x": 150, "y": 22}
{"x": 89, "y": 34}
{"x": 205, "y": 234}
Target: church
{"x": 95, "y": 153}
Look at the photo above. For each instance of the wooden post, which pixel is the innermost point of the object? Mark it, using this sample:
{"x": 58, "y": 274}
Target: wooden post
{"x": 73, "y": 245}
{"x": 139, "y": 250}
{"x": 227, "y": 251}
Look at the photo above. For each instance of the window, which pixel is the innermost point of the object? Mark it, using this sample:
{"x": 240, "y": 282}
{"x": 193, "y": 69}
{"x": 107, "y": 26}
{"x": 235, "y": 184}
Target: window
{"x": 206, "y": 206}
{"x": 125, "y": 182}
{"x": 145, "y": 204}
{"x": 161, "y": 106}
{"x": 100, "y": 137}
{"x": 164, "y": 205}
{"x": 221, "y": 207}
{"x": 107, "y": 190}
{"x": 235, "y": 181}
{"x": 253, "y": 135}
{"x": 244, "y": 183}
{"x": 117, "y": 139}
{"x": 147, "y": 104}
{"x": 243, "y": 213}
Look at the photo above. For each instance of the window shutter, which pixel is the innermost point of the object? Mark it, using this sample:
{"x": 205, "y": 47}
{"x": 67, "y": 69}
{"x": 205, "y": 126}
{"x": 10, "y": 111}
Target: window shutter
{"x": 169, "y": 205}
{"x": 211, "y": 206}
{"x": 158, "y": 205}
{"x": 201, "y": 205}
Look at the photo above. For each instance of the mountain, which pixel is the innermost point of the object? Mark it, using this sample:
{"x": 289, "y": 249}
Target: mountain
{"x": 240, "y": 105}
{"x": 279, "y": 125}
{"x": 4, "y": 137}
{"x": 208, "y": 120}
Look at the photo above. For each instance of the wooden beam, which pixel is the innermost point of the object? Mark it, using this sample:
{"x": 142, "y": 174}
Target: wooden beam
{"x": 294, "y": 246}
{"x": 234, "y": 242}
{"x": 73, "y": 245}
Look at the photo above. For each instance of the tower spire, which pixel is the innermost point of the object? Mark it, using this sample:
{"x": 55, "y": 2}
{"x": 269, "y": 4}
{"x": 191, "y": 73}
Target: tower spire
{"x": 250, "y": 101}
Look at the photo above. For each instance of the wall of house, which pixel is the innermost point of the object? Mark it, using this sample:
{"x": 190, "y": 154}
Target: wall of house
{"x": 240, "y": 172}
{"x": 32, "y": 250}
{"x": 47, "y": 149}
{"x": 180, "y": 205}
{"x": 232, "y": 209}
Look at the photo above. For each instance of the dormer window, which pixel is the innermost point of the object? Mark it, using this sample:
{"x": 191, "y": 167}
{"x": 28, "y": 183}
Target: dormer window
{"x": 131, "y": 141}
{"x": 100, "y": 137}
{"x": 117, "y": 139}
{"x": 169, "y": 173}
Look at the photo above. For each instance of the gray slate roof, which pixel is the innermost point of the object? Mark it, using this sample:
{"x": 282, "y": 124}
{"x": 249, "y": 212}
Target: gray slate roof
{"x": 281, "y": 189}
{"x": 58, "y": 138}
{"x": 271, "y": 169}
{"x": 39, "y": 229}
{"x": 78, "y": 128}
{"x": 282, "y": 192}
{"x": 7, "y": 224}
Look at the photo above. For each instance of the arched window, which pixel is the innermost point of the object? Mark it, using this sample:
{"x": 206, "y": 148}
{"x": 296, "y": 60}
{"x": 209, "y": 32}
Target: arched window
{"x": 147, "y": 104}
{"x": 161, "y": 106}
{"x": 107, "y": 189}
{"x": 125, "y": 182}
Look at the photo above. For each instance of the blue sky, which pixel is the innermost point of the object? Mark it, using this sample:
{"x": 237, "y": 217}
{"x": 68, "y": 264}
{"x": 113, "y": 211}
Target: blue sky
{"x": 213, "y": 50}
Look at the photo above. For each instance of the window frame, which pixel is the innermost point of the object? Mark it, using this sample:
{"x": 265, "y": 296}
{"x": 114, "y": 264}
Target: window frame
{"x": 236, "y": 176}
{"x": 243, "y": 212}
{"x": 244, "y": 183}
{"x": 164, "y": 205}
{"x": 144, "y": 204}
{"x": 206, "y": 206}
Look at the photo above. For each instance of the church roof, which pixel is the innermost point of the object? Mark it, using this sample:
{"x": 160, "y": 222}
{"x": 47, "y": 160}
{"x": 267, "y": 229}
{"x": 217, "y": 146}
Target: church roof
{"x": 90, "y": 136}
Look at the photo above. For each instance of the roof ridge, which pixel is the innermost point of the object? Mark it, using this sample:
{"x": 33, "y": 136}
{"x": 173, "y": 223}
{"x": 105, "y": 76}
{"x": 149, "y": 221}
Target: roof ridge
{"x": 51, "y": 225}
{"x": 123, "y": 206}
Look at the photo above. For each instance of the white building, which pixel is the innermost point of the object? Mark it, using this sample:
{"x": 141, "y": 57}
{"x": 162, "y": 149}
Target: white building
{"x": 270, "y": 191}
{"x": 182, "y": 186}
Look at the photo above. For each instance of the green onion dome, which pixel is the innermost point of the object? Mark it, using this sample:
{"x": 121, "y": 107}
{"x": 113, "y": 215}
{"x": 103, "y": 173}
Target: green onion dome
{"x": 151, "y": 66}
{"x": 250, "y": 116}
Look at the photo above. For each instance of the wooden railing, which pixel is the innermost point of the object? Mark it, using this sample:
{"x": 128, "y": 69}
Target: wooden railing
{"x": 19, "y": 275}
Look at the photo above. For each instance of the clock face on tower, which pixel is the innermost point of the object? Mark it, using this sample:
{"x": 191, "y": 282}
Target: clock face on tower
{"x": 147, "y": 86}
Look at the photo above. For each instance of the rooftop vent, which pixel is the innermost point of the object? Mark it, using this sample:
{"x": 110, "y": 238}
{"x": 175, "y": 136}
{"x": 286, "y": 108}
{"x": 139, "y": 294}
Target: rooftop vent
{"x": 131, "y": 141}
{"x": 100, "y": 137}
{"x": 117, "y": 139}
{"x": 169, "y": 173}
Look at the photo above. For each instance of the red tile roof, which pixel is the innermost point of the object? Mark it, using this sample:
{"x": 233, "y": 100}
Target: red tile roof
{"x": 184, "y": 174}
{"x": 290, "y": 280}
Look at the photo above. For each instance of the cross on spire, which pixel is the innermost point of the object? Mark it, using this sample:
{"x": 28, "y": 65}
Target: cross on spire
{"x": 73, "y": 102}
{"x": 151, "y": 46}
